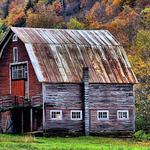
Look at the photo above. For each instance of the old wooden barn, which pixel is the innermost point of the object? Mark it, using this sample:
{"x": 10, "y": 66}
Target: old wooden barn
{"x": 77, "y": 81}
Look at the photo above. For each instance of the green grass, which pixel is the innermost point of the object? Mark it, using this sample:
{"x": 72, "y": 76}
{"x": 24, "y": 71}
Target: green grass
{"x": 14, "y": 142}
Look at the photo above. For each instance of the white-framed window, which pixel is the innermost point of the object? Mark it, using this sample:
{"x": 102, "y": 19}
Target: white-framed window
{"x": 14, "y": 38}
{"x": 15, "y": 54}
{"x": 103, "y": 115}
{"x": 19, "y": 71}
{"x": 76, "y": 114}
{"x": 56, "y": 114}
{"x": 122, "y": 114}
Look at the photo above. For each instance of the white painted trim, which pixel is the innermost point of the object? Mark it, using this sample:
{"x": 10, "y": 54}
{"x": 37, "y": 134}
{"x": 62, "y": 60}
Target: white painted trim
{"x": 14, "y": 54}
{"x": 28, "y": 79}
{"x": 35, "y": 62}
{"x": 55, "y": 111}
{"x": 1, "y": 52}
{"x": 18, "y": 63}
{"x": 76, "y": 111}
{"x": 14, "y": 38}
{"x": 98, "y": 111}
{"x": 10, "y": 78}
{"x": 127, "y": 111}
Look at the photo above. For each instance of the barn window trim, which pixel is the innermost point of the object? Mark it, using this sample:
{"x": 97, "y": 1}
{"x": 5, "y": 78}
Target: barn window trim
{"x": 76, "y": 114}
{"x": 19, "y": 72}
{"x": 53, "y": 116}
{"x": 122, "y": 114}
{"x": 101, "y": 116}
{"x": 15, "y": 38}
{"x": 15, "y": 54}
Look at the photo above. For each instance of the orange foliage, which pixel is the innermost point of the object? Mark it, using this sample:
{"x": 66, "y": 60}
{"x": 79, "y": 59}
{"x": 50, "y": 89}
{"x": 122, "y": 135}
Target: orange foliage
{"x": 57, "y": 6}
{"x": 91, "y": 14}
{"x": 116, "y": 2}
{"x": 109, "y": 10}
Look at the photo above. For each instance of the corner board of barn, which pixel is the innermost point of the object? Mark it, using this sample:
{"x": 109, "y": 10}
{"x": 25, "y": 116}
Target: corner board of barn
{"x": 65, "y": 81}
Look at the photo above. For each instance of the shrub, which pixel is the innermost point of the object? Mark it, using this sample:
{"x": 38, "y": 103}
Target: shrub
{"x": 141, "y": 135}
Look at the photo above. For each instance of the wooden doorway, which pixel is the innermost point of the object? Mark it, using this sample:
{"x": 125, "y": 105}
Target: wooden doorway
{"x": 19, "y": 80}
{"x": 21, "y": 120}
{"x": 18, "y": 88}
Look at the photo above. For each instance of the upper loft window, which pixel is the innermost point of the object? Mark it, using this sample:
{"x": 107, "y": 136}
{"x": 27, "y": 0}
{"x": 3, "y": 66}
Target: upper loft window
{"x": 19, "y": 72}
{"x": 15, "y": 54}
{"x": 14, "y": 38}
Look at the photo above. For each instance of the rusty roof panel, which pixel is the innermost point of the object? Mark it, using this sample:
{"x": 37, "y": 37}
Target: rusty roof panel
{"x": 59, "y": 55}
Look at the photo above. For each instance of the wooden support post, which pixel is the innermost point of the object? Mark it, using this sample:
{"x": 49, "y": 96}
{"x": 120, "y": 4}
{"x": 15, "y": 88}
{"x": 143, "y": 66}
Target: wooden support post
{"x": 86, "y": 101}
{"x": 31, "y": 120}
{"x": 43, "y": 91}
{"x": 22, "y": 123}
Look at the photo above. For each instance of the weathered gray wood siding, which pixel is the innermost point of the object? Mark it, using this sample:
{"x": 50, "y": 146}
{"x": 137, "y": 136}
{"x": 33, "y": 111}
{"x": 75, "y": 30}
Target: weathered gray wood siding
{"x": 65, "y": 97}
{"x": 112, "y": 97}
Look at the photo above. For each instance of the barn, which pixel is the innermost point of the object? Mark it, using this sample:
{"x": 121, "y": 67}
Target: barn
{"x": 60, "y": 80}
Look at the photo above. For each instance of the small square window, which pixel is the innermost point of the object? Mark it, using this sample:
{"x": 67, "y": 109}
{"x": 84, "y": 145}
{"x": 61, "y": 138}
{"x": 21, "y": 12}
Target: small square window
{"x": 122, "y": 114}
{"x": 14, "y": 38}
{"x": 15, "y": 54}
{"x": 76, "y": 115}
{"x": 103, "y": 115}
{"x": 56, "y": 114}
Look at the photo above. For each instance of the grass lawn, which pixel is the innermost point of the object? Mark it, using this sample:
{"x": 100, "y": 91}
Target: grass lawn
{"x": 14, "y": 142}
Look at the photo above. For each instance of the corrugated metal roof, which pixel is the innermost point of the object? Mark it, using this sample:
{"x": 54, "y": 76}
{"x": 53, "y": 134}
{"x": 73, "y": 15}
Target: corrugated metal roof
{"x": 59, "y": 55}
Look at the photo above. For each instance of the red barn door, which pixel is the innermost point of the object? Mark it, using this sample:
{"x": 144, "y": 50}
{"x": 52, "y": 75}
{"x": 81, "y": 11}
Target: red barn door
{"x": 18, "y": 88}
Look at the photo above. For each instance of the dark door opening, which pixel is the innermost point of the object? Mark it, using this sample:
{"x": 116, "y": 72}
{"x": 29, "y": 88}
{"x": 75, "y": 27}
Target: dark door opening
{"x": 37, "y": 119}
{"x": 21, "y": 120}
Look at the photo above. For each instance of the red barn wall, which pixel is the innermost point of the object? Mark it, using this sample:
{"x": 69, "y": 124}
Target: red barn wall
{"x": 35, "y": 88}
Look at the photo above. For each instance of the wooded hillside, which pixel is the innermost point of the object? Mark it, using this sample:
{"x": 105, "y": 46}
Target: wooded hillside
{"x": 128, "y": 20}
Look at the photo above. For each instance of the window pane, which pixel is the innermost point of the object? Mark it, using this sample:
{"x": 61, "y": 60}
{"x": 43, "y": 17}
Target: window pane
{"x": 14, "y": 38}
{"x": 123, "y": 114}
{"x": 19, "y": 72}
{"x": 56, "y": 115}
{"x": 102, "y": 115}
{"x": 76, "y": 115}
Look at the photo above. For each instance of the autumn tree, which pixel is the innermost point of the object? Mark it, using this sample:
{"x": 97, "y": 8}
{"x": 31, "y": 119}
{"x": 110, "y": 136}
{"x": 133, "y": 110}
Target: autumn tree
{"x": 1, "y": 29}
{"x": 145, "y": 13}
{"x": 74, "y": 23}
{"x": 16, "y": 16}
{"x": 44, "y": 16}
{"x": 140, "y": 60}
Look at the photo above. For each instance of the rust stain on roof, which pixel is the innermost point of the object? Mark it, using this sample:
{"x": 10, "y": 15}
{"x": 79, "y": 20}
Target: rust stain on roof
{"x": 59, "y": 55}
